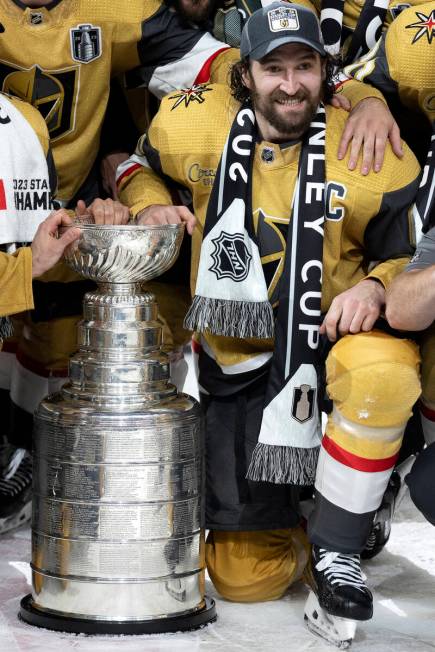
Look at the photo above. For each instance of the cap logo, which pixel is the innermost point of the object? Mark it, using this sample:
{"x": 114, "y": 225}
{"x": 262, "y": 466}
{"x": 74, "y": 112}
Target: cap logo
{"x": 284, "y": 18}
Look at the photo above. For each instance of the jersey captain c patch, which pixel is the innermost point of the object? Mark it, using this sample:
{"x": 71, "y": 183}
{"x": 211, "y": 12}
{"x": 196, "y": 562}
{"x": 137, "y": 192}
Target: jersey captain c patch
{"x": 86, "y": 43}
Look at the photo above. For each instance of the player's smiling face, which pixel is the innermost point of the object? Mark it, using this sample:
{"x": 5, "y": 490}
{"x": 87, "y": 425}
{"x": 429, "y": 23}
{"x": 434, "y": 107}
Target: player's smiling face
{"x": 286, "y": 87}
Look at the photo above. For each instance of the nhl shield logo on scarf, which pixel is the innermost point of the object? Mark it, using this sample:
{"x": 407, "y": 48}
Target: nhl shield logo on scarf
{"x": 231, "y": 294}
{"x": 231, "y": 257}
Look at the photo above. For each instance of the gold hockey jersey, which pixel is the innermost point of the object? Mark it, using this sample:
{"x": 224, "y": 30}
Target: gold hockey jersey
{"x": 16, "y": 282}
{"x": 403, "y": 61}
{"x": 366, "y": 216}
{"x": 60, "y": 59}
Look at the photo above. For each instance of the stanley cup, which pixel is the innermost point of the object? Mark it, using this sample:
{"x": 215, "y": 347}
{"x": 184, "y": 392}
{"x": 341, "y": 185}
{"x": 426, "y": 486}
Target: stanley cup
{"x": 118, "y": 460}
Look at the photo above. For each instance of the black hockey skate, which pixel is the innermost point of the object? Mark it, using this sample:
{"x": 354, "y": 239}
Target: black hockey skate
{"x": 341, "y": 597}
{"x": 16, "y": 491}
{"x": 340, "y": 585}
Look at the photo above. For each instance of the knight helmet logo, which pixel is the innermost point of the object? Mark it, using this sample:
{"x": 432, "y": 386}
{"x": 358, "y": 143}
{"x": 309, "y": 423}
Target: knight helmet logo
{"x": 85, "y": 43}
{"x": 231, "y": 258}
{"x": 303, "y": 403}
{"x": 53, "y": 93}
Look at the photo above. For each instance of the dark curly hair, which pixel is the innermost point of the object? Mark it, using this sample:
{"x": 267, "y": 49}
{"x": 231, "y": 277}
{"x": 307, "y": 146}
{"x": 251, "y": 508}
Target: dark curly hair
{"x": 241, "y": 93}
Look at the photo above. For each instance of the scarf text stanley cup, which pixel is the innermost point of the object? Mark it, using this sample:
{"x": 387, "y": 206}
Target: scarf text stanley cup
{"x": 231, "y": 296}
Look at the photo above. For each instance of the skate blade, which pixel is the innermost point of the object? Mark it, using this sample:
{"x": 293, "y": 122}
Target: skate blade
{"x": 337, "y": 631}
{"x": 16, "y": 520}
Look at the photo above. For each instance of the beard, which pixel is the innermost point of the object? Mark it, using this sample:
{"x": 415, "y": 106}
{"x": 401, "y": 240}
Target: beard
{"x": 288, "y": 126}
{"x": 196, "y": 11}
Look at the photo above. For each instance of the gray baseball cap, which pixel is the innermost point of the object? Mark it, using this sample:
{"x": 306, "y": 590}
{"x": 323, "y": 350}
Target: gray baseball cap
{"x": 277, "y": 24}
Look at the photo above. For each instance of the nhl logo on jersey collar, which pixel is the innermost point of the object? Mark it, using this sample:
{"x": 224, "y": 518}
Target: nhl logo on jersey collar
{"x": 85, "y": 43}
{"x": 36, "y": 17}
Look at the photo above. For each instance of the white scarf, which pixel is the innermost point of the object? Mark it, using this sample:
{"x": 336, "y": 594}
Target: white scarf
{"x": 25, "y": 196}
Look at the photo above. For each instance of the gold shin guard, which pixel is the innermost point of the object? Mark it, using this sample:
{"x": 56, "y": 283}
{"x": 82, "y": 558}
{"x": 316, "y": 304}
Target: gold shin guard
{"x": 373, "y": 379}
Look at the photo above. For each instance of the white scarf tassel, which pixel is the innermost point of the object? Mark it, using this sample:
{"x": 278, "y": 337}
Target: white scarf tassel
{"x": 231, "y": 318}
{"x": 283, "y": 464}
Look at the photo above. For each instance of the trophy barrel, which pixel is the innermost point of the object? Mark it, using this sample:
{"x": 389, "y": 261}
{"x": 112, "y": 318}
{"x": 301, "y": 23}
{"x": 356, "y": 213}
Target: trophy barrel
{"x": 117, "y": 544}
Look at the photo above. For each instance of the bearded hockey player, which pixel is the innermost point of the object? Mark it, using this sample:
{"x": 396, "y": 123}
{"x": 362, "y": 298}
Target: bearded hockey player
{"x": 370, "y": 123}
{"x": 263, "y": 179}
{"x": 59, "y": 55}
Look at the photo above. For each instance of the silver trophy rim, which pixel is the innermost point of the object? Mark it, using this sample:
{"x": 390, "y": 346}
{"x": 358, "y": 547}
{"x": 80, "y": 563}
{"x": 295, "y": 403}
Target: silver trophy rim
{"x": 125, "y": 227}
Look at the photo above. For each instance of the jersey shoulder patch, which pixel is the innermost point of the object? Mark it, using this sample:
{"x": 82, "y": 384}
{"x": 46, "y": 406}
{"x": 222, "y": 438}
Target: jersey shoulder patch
{"x": 189, "y": 96}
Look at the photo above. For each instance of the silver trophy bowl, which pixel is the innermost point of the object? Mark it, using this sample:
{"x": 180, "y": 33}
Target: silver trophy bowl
{"x": 124, "y": 254}
{"x": 117, "y": 544}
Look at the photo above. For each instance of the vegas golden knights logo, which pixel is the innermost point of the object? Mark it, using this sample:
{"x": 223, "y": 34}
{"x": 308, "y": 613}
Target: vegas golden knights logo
{"x": 303, "y": 403}
{"x": 284, "y": 18}
{"x": 53, "y": 93}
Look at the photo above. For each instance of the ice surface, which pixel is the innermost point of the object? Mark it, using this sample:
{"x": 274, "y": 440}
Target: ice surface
{"x": 403, "y": 579}
{"x": 402, "y": 576}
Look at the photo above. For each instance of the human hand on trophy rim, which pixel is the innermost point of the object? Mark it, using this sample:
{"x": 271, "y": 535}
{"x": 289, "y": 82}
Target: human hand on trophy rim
{"x": 53, "y": 236}
{"x": 165, "y": 214}
{"x": 102, "y": 211}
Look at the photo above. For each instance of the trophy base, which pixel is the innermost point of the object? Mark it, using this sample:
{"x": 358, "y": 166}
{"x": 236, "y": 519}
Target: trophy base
{"x": 183, "y": 623}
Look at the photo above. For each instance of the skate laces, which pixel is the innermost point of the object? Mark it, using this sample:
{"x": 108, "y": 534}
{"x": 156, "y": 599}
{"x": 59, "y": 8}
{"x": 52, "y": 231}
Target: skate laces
{"x": 18, "y": 475}
{"x": 341, "y": 569}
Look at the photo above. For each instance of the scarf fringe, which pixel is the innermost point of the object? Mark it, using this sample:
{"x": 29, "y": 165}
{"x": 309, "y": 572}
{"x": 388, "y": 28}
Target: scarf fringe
{"x": 6, "y": 328}
{"x": 230, "y": 318}
{"x": 283, "y": 464}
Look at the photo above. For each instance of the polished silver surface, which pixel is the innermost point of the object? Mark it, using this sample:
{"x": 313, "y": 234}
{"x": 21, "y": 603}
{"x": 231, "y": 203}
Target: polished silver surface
{"x": 127, "y": 601}
{"x": 118, "y": 459}
{"x": 124, "y": 254}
